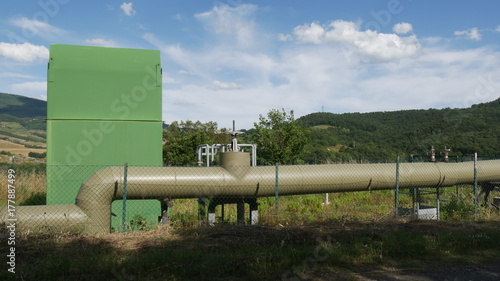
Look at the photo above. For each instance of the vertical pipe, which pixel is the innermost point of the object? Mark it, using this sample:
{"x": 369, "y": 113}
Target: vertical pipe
{"x": 396, "y": 193}
{"x": 475, "y": 185}
{"x": 209, "y": 152}
{"x": 276, "y": 189}
{"x": 124, "y": 210}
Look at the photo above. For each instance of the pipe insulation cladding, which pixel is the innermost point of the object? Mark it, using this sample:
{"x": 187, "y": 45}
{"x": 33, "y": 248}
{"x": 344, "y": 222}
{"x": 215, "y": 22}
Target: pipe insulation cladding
{"x": 92, "y": 212}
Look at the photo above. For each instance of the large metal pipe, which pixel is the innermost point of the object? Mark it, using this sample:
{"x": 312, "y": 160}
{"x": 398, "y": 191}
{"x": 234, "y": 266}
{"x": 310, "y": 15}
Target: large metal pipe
{"x": 99, "y": 190}
{"x": 68, "y": 217}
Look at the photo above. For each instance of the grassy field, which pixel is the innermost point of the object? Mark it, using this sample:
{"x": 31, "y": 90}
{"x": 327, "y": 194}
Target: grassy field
{"x": 355, "y": 237}
{"x": 321, "y": 250}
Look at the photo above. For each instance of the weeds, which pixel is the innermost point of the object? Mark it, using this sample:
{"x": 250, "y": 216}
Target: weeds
{"x": 457, "y": 210}
{"x": 30, "y": 186}
{"x": 256, "y": 253}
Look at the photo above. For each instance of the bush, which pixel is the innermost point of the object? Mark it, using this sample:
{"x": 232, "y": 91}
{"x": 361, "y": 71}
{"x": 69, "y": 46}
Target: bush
{"x": 36, "y": 198}
{"x": 37, "y": 155}
{"x": 456, "y": 210}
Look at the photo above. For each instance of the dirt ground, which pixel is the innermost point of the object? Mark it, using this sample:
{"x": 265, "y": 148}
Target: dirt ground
{"x": 250, "y": 245}
{"x": 427, "y": 272}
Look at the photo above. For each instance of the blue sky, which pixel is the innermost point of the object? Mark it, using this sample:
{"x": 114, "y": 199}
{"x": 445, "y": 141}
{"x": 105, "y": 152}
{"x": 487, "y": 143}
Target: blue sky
{"x": 237, "y": 59}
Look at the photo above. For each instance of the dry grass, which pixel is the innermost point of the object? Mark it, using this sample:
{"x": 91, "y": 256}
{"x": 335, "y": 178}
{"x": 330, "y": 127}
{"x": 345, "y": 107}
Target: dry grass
{"x": 16, "y": 149}
{"x": 311, "y": 251}
{"x": 27, "y": 183}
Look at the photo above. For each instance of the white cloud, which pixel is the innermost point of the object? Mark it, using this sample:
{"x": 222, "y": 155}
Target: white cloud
{"x": 371, "y": 44}
{"x": 227, "y": 82}
{"x": 127, "y": 8}
{"x": 218, "y": 85}
{"x": 497, "y": 29}
{"x": 25, "y": 52}
{"x": 402, "y": 28}
{"x": 167, "y": 80}
{"x": 185, "y": 72}
{"x": 36, "y": 89}
{"x": 284, "y": 37}
{"x": 101, "y": 42}
{"x": 176, "y": 54}
{"x": 235, "y": 21}
{"x": 471, "y": 34}
{"x": 31, "y": 28}
{"x": 310, "y": 33}
{"x": 13, "y": 75}
{"x": 311, "y": 76}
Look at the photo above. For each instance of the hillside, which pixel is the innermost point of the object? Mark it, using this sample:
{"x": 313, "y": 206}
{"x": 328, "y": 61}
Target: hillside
{"x": 387, "y": 134}
{"x": 22, "y": 125}
{"x": 28, "y": 112}
{"x": 334, "y": 137}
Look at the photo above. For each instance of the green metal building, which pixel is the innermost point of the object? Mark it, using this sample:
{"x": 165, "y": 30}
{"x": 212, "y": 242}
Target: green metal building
{"x": 103, "y": 108}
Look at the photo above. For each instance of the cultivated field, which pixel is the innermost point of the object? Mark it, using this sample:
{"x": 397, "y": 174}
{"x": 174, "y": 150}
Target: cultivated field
{"x": 18, "y": 149}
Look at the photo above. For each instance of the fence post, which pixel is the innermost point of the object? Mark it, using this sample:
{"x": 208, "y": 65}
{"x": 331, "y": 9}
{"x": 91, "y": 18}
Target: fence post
{"x": 438, "y": 205}
{"x": 475, "y": 185}
{"x": 276, "y": 189}
{"x": 396, "y": 193}
{"x": 124, "y": 201}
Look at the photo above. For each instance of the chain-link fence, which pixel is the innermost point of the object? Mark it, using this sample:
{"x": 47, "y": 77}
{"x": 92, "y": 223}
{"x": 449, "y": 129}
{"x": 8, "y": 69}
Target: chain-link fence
{"x": 100, "y": 199}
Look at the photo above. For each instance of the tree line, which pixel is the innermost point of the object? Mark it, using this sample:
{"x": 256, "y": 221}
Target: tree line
{"x": 278, "y": 136}
{"x": 320, "y": 138}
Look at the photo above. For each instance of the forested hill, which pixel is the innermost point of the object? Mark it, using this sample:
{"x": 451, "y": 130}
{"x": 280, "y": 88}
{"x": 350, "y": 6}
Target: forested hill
{"x": 23, "y": 107}
{"x": 386, "y": 134}
{"x": 28, "y": 112}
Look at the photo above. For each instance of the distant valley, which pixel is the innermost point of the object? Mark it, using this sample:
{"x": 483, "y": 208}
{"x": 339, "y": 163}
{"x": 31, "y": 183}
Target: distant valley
{"x": 22, "y": 128}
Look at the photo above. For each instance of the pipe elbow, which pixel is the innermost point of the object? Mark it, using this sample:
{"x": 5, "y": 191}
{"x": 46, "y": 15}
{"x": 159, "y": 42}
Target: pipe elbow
{"x": 95, "y": 197}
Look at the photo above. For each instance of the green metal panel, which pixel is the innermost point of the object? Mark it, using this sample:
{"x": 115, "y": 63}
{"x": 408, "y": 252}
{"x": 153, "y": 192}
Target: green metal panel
{"x": 87, "y": 143}
{"x": 103, "y": 142}
{"x": 103, "y": 83}
{"x": 103, "y": 108}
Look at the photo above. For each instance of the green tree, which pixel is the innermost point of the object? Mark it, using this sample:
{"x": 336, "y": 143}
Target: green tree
{"x": 279, "y": 138}
{"x": 182, "y": 139}
{"x": 37, "y": 155}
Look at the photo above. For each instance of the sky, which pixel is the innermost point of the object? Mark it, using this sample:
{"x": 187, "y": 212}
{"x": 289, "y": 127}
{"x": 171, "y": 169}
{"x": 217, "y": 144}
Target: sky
{"x": 227, "y": 60}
